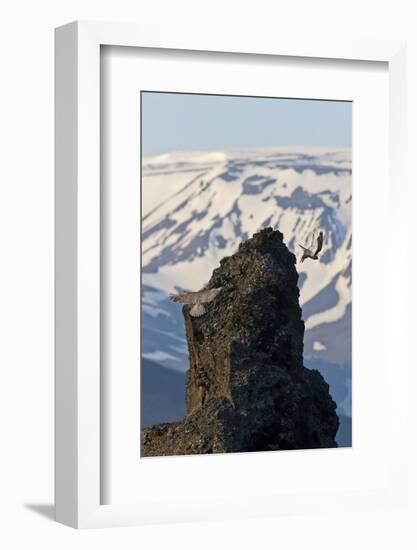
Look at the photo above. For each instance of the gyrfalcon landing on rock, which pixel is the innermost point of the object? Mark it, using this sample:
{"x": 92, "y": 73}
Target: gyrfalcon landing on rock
{"x": 197, "y": 299}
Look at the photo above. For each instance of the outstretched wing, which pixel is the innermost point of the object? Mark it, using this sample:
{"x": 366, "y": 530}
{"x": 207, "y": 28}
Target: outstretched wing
{"x": 313, "y": 241}
{"x": 208, "y": 295}
{"x": 184, "y": 297}
{"x": 319, "y": 242}
{"x": 202, "y": 296}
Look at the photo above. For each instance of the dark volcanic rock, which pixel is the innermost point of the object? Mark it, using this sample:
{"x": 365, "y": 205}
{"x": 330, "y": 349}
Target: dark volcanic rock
{"x": 247, "y": 388}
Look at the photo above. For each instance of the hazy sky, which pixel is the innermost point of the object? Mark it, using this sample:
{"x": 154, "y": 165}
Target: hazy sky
{"x": 186, "y": 122}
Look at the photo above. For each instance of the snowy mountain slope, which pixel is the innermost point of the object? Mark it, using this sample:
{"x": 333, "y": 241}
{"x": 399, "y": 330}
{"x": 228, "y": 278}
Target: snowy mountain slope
{"x": 198, "y": 207}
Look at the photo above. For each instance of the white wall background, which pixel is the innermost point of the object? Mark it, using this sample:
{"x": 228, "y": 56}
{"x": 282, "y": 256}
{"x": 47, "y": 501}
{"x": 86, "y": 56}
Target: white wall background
{"x": 26, "y": 272}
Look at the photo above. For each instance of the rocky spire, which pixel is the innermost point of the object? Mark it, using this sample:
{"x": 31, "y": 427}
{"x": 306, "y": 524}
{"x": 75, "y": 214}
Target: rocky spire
{"x": 247, "y": 388}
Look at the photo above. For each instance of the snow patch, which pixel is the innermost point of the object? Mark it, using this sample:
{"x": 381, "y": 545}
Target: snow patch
{"x": 318, "y": 346}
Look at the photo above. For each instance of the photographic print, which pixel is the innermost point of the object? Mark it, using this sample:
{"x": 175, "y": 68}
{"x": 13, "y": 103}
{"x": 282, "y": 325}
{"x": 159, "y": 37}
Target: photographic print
{"x": 246, "y": 274}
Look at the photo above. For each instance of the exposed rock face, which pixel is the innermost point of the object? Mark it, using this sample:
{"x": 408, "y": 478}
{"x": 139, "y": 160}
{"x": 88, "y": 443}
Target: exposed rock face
{"x": 247, "y": 388}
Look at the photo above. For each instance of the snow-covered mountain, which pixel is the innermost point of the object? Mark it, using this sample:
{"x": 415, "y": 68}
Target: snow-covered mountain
{"x": 198, "y": 207}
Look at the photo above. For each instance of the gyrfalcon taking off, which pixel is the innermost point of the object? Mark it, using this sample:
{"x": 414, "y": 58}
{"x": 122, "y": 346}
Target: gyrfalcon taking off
{"x": 315, "y": 247}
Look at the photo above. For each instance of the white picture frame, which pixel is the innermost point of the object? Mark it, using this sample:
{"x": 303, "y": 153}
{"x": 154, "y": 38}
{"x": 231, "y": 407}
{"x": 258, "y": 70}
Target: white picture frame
{"x": 78, "y": 404}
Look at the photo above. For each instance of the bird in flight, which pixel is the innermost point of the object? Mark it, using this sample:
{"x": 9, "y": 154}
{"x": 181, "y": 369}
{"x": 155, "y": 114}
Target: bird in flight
{"x": 315, "y": 247}
{"x": 196, "y": 299}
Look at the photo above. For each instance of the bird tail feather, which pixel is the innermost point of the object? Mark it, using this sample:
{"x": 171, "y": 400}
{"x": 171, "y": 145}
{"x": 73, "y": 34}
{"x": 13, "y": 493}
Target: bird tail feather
{"x": 197, "y": 310}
